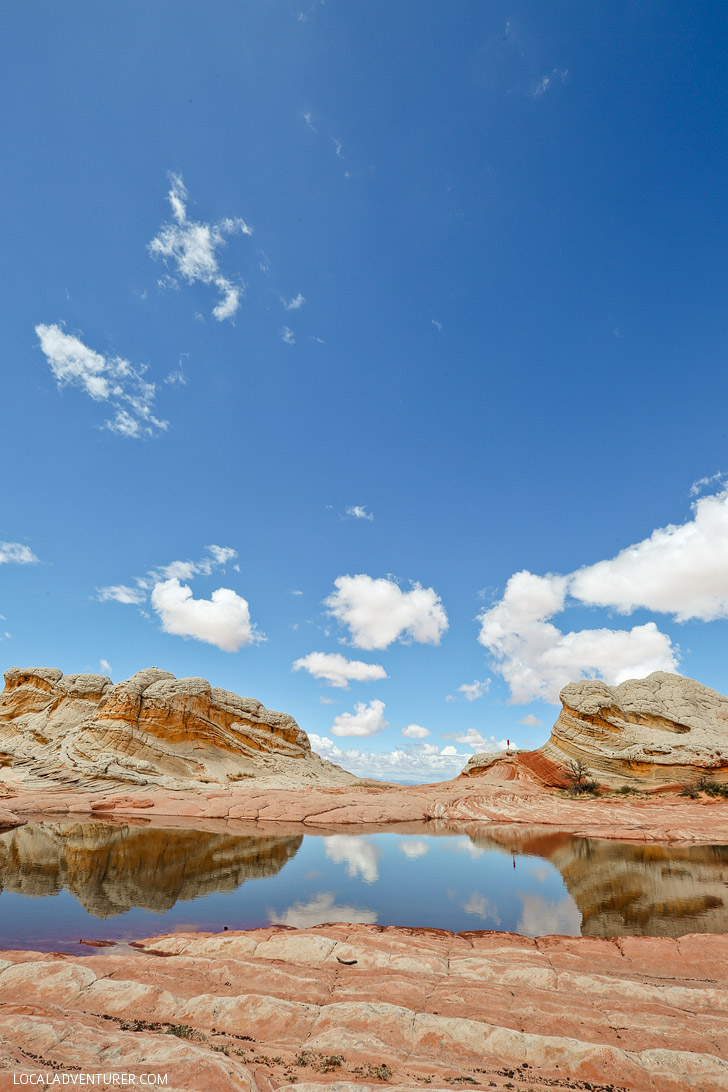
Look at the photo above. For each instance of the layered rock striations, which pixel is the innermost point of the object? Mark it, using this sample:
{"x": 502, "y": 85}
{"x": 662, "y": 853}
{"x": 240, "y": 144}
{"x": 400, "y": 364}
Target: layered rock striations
{"x": 151, "y": 730}
{"x": 648, "y": 733}
{"x": 366, "y": 1008}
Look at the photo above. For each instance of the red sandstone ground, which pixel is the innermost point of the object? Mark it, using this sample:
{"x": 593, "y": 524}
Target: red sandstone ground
{"x": 502, "y": 795}
{"x": 340, "y": 1008}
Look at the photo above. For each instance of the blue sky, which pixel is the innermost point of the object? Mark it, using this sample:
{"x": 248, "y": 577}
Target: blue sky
{"x": 414, "y": 311}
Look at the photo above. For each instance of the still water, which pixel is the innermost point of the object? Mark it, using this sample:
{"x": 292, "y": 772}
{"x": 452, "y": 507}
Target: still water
{"x": 62, "y": 881}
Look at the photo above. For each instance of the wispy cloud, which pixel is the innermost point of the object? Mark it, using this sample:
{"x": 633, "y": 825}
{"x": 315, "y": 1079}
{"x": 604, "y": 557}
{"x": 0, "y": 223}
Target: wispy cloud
{"x": 108, "y": 379}
{"x": 287, "y": 336}
{"x": 437, "y": 325}
{"x": 474, "y": 690}
{"x": 294, "y": 304}
{"x": 16, "y": 553}
{"x": 359, "y": 511}
{"x": 105, "y": 666}
{"x": 222, "y": 620}
{"x": 547, "y": 81}
{"x": 190, "y": 248}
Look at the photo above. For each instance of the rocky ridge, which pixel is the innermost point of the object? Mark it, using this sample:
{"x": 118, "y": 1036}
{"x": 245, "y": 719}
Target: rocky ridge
{"x": 150, "y": 730}
{"x": 352, "y": 1008}
{"x": 664, "y": 730}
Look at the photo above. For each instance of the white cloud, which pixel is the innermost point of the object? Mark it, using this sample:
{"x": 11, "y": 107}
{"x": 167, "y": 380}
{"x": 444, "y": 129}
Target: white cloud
{"x": 378, "y": 612}
{"x": 287, "y": 336}
{"x": 294, "y": 304}
{"x": 190, "y": 247}
{"x": 359, "y": 511}
{"x": 415, "y": 731}
{"x": 717, "y": 479}
{"x": 537, "y": 659}
{"x": 336, "y": 670}
{"x": 474, "y": 741}
{"x": 223, "y": 620}
{"x": 179, "y": 570}
{"x": 679, "y": 570}
{"x": 530, "y": 721}
{"x": 318, "y": 911}
{"x": 15, "y": 553}
{"x": 105, "y": 666}
{"x": 406, "y": 764}
{"x": 544, "y": 83}
{"x": 109, "y": 379}
{"x": 474, "y": 690}
{"x": 359, "y": 853}
{"x": 366, "y": 720}
{"x": 121, "y": 593}
{"x": 437, "y": 325}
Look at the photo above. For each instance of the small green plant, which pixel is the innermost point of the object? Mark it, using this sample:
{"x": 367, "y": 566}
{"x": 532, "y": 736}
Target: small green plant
{"x": 374, "y": 1072}
{"x": 581, "y": 781}
{"x": 690, "y": 790}
{"x": 712, "y": 788}
{"x": 628, "y": 790}
{"x": 182, "y": 1031}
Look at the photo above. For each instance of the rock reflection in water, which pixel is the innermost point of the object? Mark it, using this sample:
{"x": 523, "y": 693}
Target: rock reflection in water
{"x": 622, "y": 889}
{"x": 111, "y": 869}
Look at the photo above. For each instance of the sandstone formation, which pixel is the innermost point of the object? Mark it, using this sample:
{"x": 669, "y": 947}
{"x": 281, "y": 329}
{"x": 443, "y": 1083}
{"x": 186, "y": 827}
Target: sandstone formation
{"x": 112, "y": 868}
{"x": 152, "y": 729}
{"x": 466, "y": 800}
{"x": 648, "y": 733}
{"x": 343, "y": 1008}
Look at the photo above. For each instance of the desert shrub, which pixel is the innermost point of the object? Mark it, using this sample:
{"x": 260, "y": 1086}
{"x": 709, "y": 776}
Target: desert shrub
{"x": 581, "y": 780}
{"x": 690, "y": 790}
{"x": 239, "y": 776}
{"x": 629, "y": 790}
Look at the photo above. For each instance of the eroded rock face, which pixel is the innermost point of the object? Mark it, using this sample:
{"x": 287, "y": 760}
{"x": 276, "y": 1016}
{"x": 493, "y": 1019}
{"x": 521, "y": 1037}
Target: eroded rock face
{"x": 269, "y": 1008}
{"x": 661, "y": 730}
{"x": 152, "y": 729}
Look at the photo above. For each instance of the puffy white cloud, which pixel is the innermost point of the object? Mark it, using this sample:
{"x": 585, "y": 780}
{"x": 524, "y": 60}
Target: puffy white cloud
{"x": 223, "y": 620}
{"x": 359, "y": 511}
{"x": 190, "y": 248}
{"x": 336, "y": 670}
{"x": 109, "y": 379}
{"x": 105, "y": 666}
{"x": 15, "y": 553}
{"x": 378, "y": 612}
{"x": 366, "y": 720}
{"x": 474, "y": 690}
{"x": 415, "y": 731}
{"x": 680, "y": 570}
{"x": 318, "y": 911}
{"x": 537, "y": 659}
{"x": 360, "y": 855}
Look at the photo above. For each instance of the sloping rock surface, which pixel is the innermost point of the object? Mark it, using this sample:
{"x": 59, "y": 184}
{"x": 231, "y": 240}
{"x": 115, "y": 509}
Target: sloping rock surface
{"x": 345, "y": 1008}
{"x": 661, "y": 730}
{"x": 152, "y": 729}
